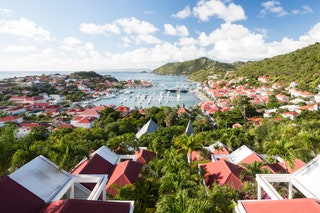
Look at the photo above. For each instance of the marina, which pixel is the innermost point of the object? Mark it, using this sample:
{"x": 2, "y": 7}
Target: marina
{"x": 164, "y": 91}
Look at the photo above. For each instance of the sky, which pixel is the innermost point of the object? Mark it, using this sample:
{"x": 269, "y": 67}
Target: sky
{"x": 83, "y": 35}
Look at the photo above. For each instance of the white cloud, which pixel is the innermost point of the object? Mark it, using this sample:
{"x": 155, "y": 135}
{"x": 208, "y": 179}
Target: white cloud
{"x": 273, "y": 7}
{"x": 186, "y": 41}
{"x": 305, "y": 10}
{"x": 71, "y": 41}
{"x": 133, "y": 25}
{"x": 136, "y": 31}
{"x": 312, "y": 36}
{"x": 5, "y": 12}
{"x": 229, "y": 13}
{"x": 24, "y": 28}
{"x": 146, "y": 38}
{"x": 185, "y": 13}
{"x": 124, "y": 25}
{"x": 179, "y": 30}
{"x": 95, "y": 29}
{"x": 20, "y": 48}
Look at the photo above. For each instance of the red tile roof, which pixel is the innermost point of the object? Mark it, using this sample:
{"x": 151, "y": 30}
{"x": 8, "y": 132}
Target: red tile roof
{"x": 79, "y": 206}
{"x": 251, "y": 158}
{"x": 126, "y": 172}
{"x": 281, "y": 206}
{"x": 144, "y": 156}
{"x": 9, "y": 118}
{"x": 222, "y": 172}
{"x": 297, "y": 165}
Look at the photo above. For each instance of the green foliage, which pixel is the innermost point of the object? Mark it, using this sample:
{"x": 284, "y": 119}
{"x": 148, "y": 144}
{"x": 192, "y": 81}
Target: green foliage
{"x": 301, "y": 65}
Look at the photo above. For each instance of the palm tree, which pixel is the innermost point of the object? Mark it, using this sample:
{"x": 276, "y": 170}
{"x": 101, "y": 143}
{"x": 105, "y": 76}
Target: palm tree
{"x": 252, "y": 169}
{"x": 286, "y": 149}
{"x": 188, "y": 144}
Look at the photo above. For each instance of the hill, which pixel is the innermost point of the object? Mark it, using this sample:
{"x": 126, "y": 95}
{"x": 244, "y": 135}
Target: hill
{"x": 197, "y": 69}
{"x": 302, "y": 65}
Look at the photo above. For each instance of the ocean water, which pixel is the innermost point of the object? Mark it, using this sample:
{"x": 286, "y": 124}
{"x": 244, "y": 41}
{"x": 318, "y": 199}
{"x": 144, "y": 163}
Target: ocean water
{"x": 139, "y": 98}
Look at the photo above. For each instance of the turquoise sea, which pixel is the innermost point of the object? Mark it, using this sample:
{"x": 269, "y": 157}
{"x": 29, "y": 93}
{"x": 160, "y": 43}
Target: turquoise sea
{"x": 140, "y": 98}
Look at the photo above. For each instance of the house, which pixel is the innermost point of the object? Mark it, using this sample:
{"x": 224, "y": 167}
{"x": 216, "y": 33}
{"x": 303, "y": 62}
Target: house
{"x": 149, "y": 127}
{"x": 184, "y": 110}
{"x": 189, "y": 130}
{"x": 12, "y": 119}
{"x": 222, "y": 172}
{"x": 90, "y": 113}
{"x": 124, "y": 111}
{"x": 124, "y": 173}
{"x": 86, "y": 122}
{"x": 303, "y": 180}
{"x": 282, "y": 98}
{"x": 144, "y": 156}
{"x": 290, "y": 115}
{"x": 15, "y": 110}
{"x": 105, "y": 161}
{"x": 278, "y": 206}
{"x": 263, "y": 79}
{"x": 41, "y": 186}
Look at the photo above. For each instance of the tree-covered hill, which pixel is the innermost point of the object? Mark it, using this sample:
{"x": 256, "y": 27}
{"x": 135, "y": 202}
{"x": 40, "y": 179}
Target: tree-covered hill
{"x": 197, "y": 69}
{"x": 302, "y": 65}
{"x": 92, "y": 75}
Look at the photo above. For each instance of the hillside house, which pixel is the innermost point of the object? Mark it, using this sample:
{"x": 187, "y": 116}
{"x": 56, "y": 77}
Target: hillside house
{"x": 51, "y": 189}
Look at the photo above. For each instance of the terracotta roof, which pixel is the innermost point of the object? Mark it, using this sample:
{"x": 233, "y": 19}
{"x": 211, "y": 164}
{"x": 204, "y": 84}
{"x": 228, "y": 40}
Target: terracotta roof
{"x": 251, "y": 158}
{"x": 79, "y": 206}
{"x": 144, "y": 156}
{"x": 9, "y": 118}
{"x": 126, "y": 172}
{"x": 297, "y": 165}
{"x": 281, "y": 206}
{"x": 222, "y": 172}
{"x": 99, "y": 108}
{"x": 123, "y": 109}
{"x": 196, "y": 155}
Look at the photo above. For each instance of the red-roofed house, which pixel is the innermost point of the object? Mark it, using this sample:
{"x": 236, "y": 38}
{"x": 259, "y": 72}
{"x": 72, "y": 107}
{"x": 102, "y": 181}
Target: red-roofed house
{"x": 84, "y": 206}
{"x": 282, "y": 98}
{"x": 183, "y": 110}
{"x": 90, "y": 113}
{"x": 278, "y": 206}
{"x": 144, "y": 156}
{"x": 86, "y": 122}
{"x": 123, "y": 110}
{"x": 126, "y": 172}
{"x": 11, "y": 118}
{"x": 222, "y": 172}
{"x": 263, "y": 79}
{"x": 303, "y": 180}
{"x": 291, "y": 115}
{"x": 41, "y": 186}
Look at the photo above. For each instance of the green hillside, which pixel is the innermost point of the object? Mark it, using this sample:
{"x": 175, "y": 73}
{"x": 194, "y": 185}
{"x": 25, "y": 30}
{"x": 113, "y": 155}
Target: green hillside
{"x": 302, "y": 65}
{"x": 197, "y": 69}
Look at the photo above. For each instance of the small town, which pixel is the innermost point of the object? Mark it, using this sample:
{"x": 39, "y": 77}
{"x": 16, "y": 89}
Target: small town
{"x": 117, "y": 164}
{"x": 141, "y": 106}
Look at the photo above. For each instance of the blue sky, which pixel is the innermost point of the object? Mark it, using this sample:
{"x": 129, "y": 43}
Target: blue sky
{"x": 60, "y": 35}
